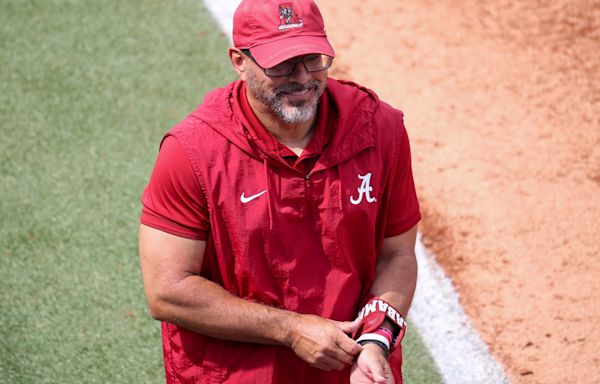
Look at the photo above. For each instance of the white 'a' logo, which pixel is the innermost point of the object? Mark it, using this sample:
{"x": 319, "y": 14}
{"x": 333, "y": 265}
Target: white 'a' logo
{"x": 364, "y": 190}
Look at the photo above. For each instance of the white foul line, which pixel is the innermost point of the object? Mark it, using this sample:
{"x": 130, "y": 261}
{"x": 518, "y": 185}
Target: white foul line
{"x": 460, "y": 354}
{"x": 458, "y": 351}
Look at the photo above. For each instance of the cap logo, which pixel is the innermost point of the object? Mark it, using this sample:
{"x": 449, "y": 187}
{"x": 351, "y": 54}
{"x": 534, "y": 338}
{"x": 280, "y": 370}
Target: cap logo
{"x": 288, "y": 18}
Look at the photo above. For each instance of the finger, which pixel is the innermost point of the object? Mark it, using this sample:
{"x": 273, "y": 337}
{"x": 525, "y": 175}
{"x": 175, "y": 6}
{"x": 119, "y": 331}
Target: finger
{"x": 342, "y": 357}
{"x": 348, "y": 346}
{"x": 378, "y": 374}
{"x": 367, "y": 373}
{"x": 327, "y": 363}
{"x": 348, "y": 326}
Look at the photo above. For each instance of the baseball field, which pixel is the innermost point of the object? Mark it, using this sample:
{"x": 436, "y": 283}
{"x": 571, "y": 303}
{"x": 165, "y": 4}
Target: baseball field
{"x": 502, "y": 105}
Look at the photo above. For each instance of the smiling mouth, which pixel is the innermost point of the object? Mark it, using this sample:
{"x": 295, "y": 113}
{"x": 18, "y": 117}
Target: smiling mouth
{"x": 297, "y": 89}
{"x": 298, "y": 94}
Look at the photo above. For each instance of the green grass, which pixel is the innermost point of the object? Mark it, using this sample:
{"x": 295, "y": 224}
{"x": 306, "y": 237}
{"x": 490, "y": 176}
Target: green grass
{"x": 87, "y": 88}
{"x": 417, "y": 365}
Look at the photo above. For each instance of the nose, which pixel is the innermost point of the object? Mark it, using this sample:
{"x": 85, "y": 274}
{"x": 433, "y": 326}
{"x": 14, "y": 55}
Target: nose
{"x": 300, "y": 74}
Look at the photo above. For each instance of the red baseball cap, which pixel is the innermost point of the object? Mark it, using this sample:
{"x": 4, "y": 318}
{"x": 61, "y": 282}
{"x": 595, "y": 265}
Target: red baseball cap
{"x": 276, "y": 30}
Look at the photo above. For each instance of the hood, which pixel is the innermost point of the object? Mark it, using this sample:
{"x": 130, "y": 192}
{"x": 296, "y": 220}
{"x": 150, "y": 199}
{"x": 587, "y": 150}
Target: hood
{"x": 353, "y": 104}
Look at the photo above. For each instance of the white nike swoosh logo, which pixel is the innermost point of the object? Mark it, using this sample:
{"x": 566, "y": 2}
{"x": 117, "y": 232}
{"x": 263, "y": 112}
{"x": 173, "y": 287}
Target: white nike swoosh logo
{"x": 245, "y": 199}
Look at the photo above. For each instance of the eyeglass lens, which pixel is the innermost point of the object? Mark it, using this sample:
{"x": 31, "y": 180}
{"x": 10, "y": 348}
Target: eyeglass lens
{"x": 312, "y": 63}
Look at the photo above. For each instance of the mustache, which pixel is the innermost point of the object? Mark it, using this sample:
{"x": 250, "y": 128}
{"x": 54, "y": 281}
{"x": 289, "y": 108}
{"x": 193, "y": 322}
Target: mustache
{"x": 295, "y": 87}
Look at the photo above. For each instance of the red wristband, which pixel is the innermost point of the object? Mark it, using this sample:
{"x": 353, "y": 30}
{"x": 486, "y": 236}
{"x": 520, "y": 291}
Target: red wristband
{"x": 373, "y": 314}
{"x": 383, "y": 331}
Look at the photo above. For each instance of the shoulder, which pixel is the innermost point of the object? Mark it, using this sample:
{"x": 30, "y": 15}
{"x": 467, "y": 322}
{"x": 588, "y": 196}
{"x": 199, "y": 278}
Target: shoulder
{"x": 198, "y": 128}
{"x": 353, "y": 100}
{"x": 362, "y": 115}
{"x": 390, "y": 118}
{"x": 189, "y": 128}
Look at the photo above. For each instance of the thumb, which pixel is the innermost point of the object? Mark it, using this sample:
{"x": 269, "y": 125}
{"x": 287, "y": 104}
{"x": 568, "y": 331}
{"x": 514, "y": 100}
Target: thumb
{"x": 348, "y": 326}
{"x": 378, "y": 375}
{"x": 344, "y": 341}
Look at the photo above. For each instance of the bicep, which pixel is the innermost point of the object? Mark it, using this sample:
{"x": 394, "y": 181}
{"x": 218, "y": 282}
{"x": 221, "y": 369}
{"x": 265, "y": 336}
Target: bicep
{"x": 167, "y": 259}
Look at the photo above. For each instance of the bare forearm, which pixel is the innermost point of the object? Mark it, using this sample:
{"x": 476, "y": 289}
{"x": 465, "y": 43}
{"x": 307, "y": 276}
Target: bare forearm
{"x": 204, "y": 307}
{"x": 396, "y": 274}
{"x": 396, "y": 282}
{"x": 320, "y": 342}
{"x": 176, "y": 293}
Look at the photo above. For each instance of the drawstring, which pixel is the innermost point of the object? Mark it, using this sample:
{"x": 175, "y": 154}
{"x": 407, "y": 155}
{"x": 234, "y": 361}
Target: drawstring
{"x": 269, "y": 209}
{"x": 340, "y": 186}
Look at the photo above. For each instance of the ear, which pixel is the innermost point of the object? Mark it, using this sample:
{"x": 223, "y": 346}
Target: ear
{"x": 238, "y": 61}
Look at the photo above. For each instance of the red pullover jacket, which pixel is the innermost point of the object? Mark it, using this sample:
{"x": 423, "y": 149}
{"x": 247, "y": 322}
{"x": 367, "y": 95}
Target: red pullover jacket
{"x": 304, "y": 242}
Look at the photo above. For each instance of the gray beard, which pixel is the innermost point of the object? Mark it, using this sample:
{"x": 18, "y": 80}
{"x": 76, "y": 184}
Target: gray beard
{"x": 290, "y": 114}
{"x": 295, "y": 113}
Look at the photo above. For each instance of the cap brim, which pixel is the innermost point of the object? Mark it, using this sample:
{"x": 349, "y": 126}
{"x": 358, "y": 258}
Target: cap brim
{"x": 270, "y": 54}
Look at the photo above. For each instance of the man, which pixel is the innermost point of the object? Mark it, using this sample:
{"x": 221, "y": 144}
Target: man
{"x": 278, "y": 228}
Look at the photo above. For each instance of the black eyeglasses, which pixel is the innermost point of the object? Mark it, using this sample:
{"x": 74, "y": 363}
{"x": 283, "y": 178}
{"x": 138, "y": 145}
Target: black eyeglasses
{"x": 312, "y": 63}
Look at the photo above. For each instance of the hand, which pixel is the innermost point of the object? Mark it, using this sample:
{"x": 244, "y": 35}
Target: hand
{"x": 371, "y": 367}
{"x": 323, "y": 343}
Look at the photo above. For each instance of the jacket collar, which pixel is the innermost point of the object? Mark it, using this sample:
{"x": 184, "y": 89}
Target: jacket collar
{"x": 353, "y": 130}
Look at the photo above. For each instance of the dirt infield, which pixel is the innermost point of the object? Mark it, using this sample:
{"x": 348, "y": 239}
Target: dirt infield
{"x": 502, "y": 105}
